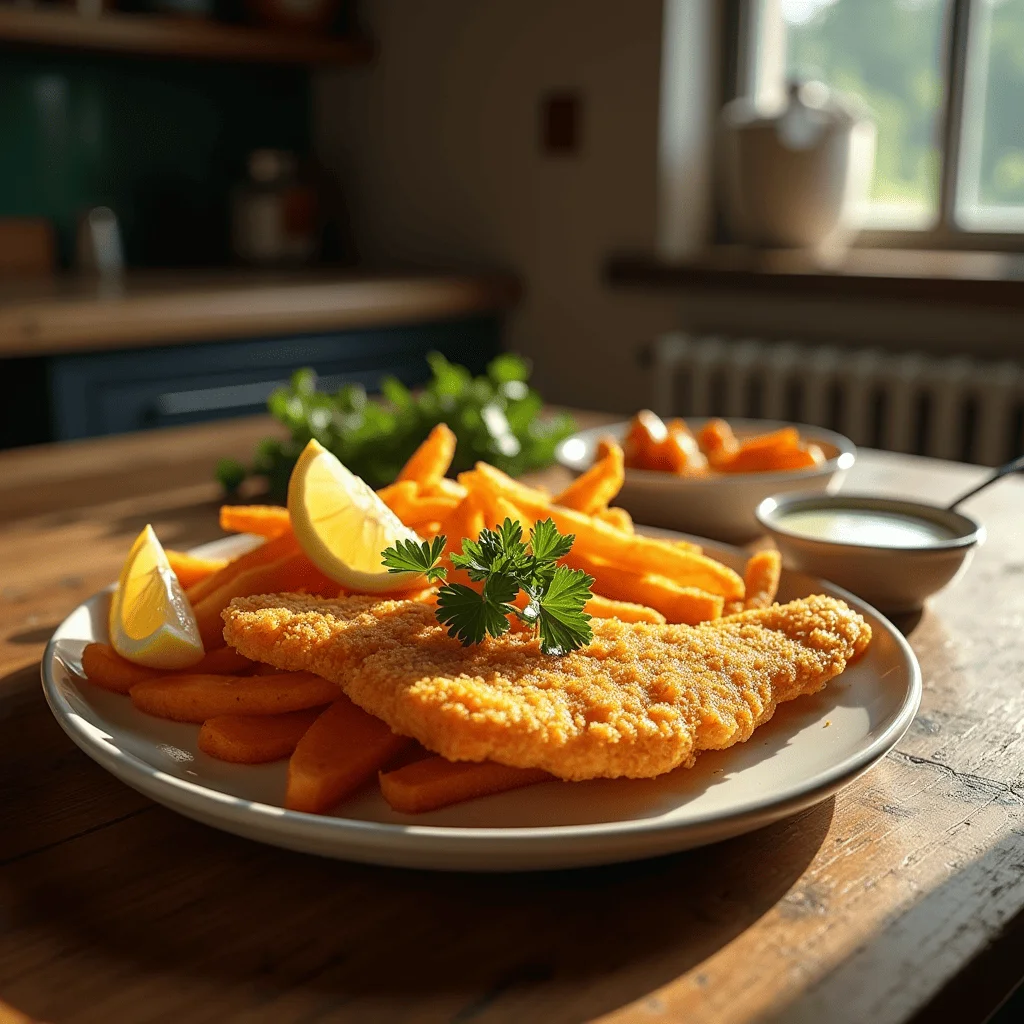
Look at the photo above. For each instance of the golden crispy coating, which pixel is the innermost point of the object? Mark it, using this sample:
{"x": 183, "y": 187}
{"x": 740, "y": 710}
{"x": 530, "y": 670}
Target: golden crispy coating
{"x": 640, "y": 700}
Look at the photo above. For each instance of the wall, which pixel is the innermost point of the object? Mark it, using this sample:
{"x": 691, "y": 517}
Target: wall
{"x": 161, "y": 142}
{"x": 436, "y": 146}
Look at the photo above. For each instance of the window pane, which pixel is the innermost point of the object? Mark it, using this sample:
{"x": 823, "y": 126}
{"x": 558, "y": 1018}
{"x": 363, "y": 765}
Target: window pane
{"x": 889, "y": 53}
{"x": 991, "y": 183}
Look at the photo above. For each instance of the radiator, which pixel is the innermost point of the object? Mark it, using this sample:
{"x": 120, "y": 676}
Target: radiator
{"x": 952, "y": 408}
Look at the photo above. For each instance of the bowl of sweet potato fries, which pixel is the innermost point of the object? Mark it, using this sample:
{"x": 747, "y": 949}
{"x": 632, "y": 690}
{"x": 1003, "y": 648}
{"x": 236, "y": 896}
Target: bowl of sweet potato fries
{"x": 707, "y": 476}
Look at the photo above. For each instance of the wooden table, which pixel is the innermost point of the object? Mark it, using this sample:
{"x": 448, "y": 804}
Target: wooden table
{"x": 900, "y": 897}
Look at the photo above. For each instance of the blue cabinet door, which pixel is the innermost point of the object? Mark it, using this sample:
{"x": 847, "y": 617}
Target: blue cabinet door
{"x": 114, "y": 392}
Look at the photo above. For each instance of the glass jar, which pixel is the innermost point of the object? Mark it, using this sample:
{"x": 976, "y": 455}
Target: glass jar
{"x": 274, "y": 212}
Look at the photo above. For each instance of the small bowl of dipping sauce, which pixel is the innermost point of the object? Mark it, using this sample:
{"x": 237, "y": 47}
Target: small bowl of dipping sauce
{"x": 892, "y": 553}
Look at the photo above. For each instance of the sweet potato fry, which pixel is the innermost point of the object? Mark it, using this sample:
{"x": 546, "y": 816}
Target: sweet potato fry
{"x": 680, "y": 452}
{"x": 680, "y": 562}
{"x": 627, "y": 611}
{"x": 435, "y": 782}
{"x": 502, "y": 509}
{"x": 429, "y": 463}
{"x": 294, "y": 573}
{"x": 592, "y": 490}
{"x": 465, "y": 520}
{"x": 762, "y": 453}
{"x": 761, "y": 578}
{"x": 717, "y": 442}
{"x": 641, "y": 446}
{"x": 618, "y": 518}
{"x": 224, "y": 661}
{"x": 255, "y": 739}
{"x": 195, "y": 698}
{"x": 689, "y": 605}
{"x": 775, "y": 440}
{"x": 485, "y": 480}
{"x": 397, "y": 494}
{"x": 776, "y": 461}
{"x": 190, "y": 569}
{"x": 417, "y": 509}
{"x": 805, "y": 456}
{"x": 266, "y": 520}
{"x": 341, "y": 751}
{"x": 269, "y": 551}
{"x": 104, "y": 667}
{"x": 446, "y": 488}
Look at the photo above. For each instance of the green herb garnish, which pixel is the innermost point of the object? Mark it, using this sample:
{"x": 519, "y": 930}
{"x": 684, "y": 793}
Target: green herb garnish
{"x": 505, "y": 565}
{"x": 496, "y": 418}
{"x": 408, "y": 556}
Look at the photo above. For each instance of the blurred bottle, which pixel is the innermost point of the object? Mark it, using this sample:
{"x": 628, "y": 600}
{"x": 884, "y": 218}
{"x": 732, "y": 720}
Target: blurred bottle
{"x": 98, "y": 248}
{"x": 274, "y": 212}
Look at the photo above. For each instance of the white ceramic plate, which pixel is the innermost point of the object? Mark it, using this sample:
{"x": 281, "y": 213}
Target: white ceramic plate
{"x": 811, "y": 748}
{"x": 720, "y": 506}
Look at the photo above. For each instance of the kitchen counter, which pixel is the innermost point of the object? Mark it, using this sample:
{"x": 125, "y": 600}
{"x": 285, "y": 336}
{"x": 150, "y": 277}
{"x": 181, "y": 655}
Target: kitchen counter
{"x": 900, "y": 899}
{"x": 73, "y": 314}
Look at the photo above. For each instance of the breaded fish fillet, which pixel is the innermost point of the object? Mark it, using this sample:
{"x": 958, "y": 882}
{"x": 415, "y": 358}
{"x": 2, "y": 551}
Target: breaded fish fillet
{"x": 639, "y": 701}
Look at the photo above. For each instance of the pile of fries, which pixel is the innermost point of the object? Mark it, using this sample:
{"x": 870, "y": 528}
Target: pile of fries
{"x": 671, "y": 447}
{"x": 252, "y": 714}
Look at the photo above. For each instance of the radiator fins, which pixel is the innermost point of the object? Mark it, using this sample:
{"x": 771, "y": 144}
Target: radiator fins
{"x": 951, "y": 408}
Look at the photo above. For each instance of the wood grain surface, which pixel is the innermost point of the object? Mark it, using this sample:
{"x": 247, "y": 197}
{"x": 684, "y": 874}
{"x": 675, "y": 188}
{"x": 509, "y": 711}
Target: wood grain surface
{"x": 899, "y": 899}
{"x": 73, "y": 314}
{"x": 184, "y": 37}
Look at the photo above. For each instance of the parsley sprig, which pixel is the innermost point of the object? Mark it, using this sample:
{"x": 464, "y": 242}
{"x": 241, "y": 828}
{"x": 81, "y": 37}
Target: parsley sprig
{"x": 505, "y": 565}
{"x": 408, "y": 556}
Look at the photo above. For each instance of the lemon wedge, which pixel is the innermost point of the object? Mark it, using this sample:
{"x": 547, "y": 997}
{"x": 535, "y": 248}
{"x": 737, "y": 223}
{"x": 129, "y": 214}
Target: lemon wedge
{"x": 342, "y": 524}
{"x": 151, "y": 621}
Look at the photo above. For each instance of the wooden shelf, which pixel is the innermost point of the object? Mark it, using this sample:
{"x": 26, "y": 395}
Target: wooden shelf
{"x": 74, "y": 314}
{"x": 992, "y": 279}
{"x": 158, "y": 36}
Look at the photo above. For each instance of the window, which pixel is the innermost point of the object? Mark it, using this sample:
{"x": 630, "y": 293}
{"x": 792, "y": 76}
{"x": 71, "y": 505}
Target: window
{"x": 944, "y": 82}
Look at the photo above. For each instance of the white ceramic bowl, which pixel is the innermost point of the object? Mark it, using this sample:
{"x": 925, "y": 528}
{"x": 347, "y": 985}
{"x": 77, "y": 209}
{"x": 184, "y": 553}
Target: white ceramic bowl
{"x": 721, "y": 506}
{"x": 893, "y": 579}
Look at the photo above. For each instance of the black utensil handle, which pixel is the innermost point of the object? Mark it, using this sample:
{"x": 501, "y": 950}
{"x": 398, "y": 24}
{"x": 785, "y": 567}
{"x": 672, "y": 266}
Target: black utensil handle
{"x": 1011, "y": 467}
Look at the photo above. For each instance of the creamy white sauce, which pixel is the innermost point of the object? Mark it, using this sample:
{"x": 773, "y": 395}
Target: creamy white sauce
{"x": 866, "y": 526}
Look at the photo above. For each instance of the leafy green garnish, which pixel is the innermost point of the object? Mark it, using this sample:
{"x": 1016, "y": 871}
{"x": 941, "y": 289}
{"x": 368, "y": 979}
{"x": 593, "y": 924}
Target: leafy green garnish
{"x": 471, "y": 615}
{"x": 408, "y": 556}
{"x": 495, "y": 417}
{"x": 497, "y": 552}
{"x": 230, "y": 473}
{"x": 561, "y": 621}
{"x": 505, "y": 565}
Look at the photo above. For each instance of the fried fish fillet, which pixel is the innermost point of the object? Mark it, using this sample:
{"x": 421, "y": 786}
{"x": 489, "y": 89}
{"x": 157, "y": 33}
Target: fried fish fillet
{"x": 640, "y": 700}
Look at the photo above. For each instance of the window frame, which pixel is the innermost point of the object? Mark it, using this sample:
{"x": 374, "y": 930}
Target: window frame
{"x": 742, "y": 49}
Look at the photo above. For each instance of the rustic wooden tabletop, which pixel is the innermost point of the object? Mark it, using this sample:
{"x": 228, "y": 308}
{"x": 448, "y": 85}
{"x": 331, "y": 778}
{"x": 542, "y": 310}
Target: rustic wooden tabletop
{"x": 900, "y": 898}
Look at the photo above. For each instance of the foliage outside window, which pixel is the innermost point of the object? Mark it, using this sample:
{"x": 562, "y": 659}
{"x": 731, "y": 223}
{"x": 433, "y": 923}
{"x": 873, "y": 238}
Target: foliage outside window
{"x": 944, "y": 81}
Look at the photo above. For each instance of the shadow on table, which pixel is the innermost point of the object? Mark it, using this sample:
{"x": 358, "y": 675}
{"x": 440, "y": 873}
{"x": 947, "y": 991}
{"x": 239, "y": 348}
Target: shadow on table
{"x": 35, "y": 635}
{"x": 951, "y": 954}
{"x": 907, "y": 622}
{"x": 181, "y": 526}
{"x": 285, "y": 937}
{"x": 179, "y": 523}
